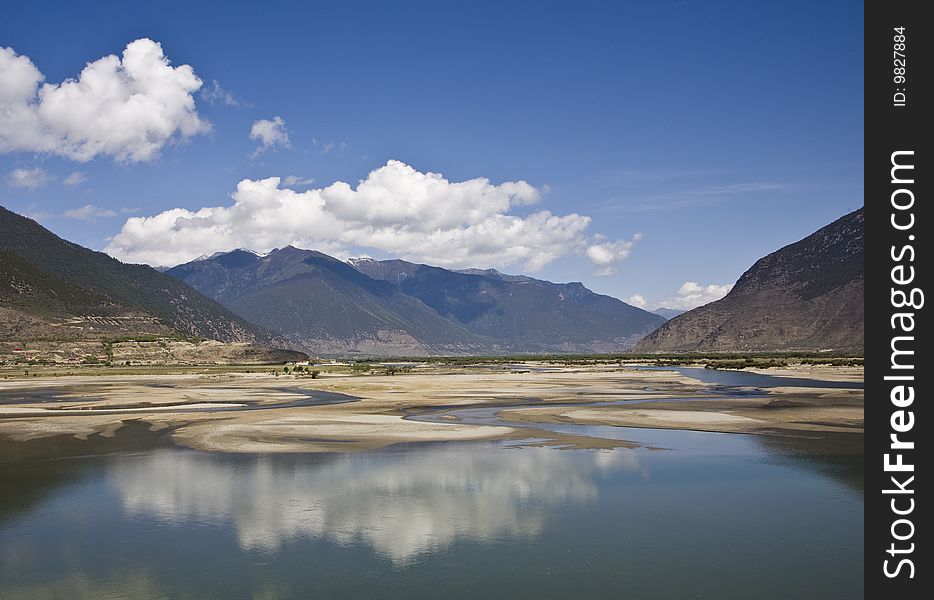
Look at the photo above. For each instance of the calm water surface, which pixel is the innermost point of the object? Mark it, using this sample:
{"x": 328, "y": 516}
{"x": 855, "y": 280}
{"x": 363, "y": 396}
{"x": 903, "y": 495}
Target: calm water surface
{"x": 710, "y": 516}
{"x": 728, "y": 377}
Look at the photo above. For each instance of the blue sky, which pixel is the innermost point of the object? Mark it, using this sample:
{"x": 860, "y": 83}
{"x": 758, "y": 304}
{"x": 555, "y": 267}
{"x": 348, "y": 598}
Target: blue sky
{"x": 696, "y": 136}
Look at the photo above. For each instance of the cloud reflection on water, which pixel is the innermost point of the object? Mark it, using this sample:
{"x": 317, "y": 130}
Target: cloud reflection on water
{"x": 401, "y": 504}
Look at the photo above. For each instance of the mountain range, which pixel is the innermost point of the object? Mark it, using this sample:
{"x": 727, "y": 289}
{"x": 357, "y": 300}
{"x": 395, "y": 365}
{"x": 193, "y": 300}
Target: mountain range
{"x": 393, "y": 307}
{"x": 807, "y": 296}
{"x": 52, "y": 290}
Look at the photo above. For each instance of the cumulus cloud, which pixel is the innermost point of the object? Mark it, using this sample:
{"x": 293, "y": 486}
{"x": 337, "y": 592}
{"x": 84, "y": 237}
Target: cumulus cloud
{"x": 88, "y": 213}
{"x": 606, "y": 255}
{"x": 270, "y": 133}
{"x": 126, "y": 107}
{"x": 636, "y": 300}
{"x": 75, "y": 178}
{"x": 28, "y": 179}
{"x": 692, "y": 294}
{"x": 396, "y": 210}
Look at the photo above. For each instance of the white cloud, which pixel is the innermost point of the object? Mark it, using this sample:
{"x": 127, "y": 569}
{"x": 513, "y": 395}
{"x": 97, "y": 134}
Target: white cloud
{"x": 128, "y": 108}
{"x": 269, "y": 133}
{"x": 88, "y": 213}
{"x": 75, "y": 178}
{"x": 396, "y": 210}
{"x": 215, "y": 94}
{"x": 636, "y": 300}
{"x": 692, "y": 294}
{"x": 28, "y": 179}
{"x": 606, "y": 255}
{"x": 295, "y": 180}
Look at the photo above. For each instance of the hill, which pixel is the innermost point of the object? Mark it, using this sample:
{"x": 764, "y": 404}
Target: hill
{"x": 807, "y": 296}
{"x": 54, "y": 290}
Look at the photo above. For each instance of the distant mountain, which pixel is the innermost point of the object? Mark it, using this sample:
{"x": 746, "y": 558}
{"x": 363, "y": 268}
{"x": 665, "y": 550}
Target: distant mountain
{"x": 806, "y": 296}
{"x": 668, "y": 313}
{"x": 522, "y": 313}
{"x": 324, "y": 305}
{"x": 52, "y": 288}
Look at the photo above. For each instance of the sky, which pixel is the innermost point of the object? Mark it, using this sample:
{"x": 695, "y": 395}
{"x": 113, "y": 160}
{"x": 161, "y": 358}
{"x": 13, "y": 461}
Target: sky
{"x": 651, "y": 150}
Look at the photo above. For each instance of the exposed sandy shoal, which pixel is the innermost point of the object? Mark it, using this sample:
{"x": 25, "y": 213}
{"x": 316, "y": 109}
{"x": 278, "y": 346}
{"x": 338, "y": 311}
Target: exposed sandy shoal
{"x": 802, "y": 409}
{"x": 310, "y": 433}
{"x": 825, "y": 372}
{"x": 19, "y": 410}
{"x": 96, "y": 406}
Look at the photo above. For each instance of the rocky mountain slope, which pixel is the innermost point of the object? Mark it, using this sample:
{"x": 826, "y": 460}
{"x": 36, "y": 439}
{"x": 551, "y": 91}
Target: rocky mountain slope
{"x": 324, "y": 305}
{"x": 807, "y": 296}
{"x": 668, "y": 313}
{"x": 522, "y": 312}
{"x": 54, "y": 290}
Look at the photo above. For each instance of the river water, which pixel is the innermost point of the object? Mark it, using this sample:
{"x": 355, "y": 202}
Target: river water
{"x": 708, "y": 516}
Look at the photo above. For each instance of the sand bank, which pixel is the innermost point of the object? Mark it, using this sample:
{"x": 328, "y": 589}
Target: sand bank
{"x": 248, "y": 413}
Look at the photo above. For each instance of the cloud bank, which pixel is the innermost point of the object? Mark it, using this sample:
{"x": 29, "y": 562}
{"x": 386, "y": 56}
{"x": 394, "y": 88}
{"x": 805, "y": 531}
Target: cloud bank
{"x": 125, "y": 107}
{"x": 692, "y": 294}
{"x": 396, "y": 209}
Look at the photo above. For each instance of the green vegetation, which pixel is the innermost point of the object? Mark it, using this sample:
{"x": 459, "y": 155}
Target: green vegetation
{"x": 726, "y": 360}
{"x": 768, "y": 363}
{"x": 94, "y": 365}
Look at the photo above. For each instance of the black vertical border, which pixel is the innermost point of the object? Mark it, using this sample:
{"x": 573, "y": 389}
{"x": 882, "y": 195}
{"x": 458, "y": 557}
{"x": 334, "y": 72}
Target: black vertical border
{"x": 890, "y": 128}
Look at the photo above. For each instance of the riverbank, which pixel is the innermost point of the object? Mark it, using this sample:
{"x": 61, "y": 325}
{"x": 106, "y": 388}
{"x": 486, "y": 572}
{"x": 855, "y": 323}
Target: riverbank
{"x": 781, "y": 410}
{"x": 260, "y": 412}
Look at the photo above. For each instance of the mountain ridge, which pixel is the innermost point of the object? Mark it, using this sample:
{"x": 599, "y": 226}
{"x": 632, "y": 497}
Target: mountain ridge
{"x": 806, "y": 296}
{"x": 322, "y": 304}
{"x": 55, "y": 290}
{"x": 400, "y": 307}
{"x": 533, "y": 314}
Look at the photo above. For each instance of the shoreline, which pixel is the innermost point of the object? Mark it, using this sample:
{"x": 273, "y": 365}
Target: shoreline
{"x": 242, "y": 412}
